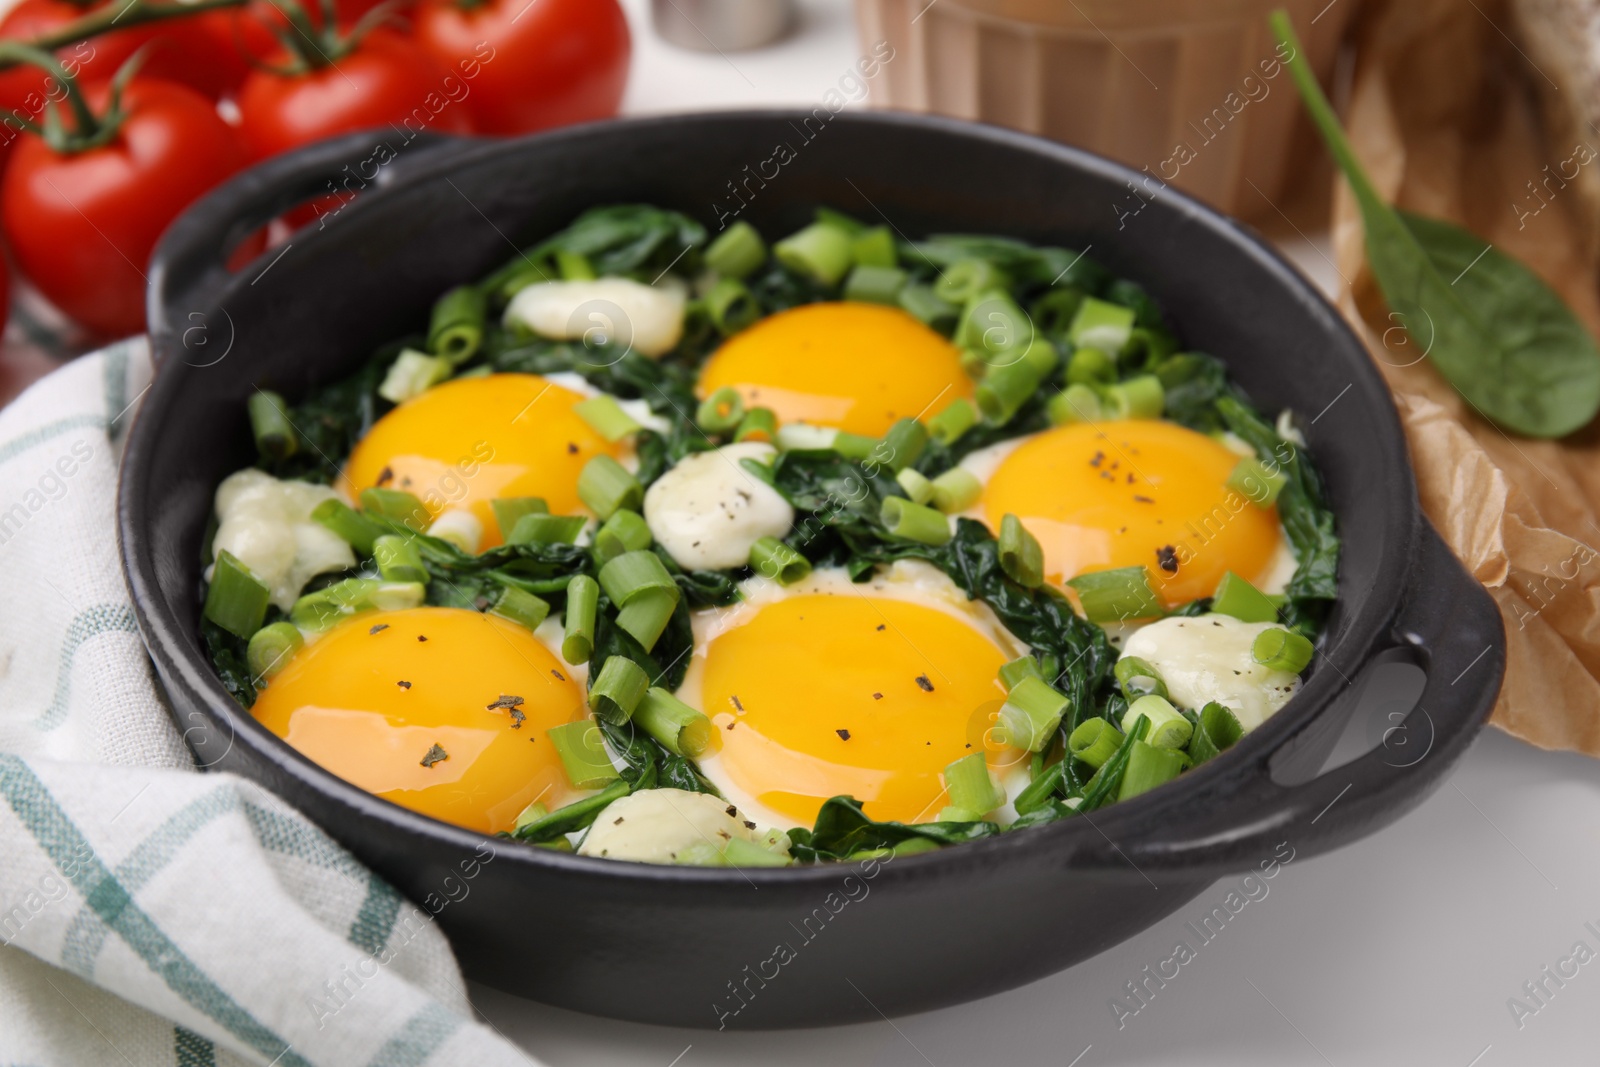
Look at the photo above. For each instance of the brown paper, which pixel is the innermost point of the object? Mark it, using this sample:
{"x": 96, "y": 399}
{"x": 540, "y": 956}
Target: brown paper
{"x": 1445, "y": 112}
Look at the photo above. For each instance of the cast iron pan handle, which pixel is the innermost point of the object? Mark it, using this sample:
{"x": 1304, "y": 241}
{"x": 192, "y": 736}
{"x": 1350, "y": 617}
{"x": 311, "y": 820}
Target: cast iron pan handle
{"x": 1454, "y": 632}
{"x": 188, "y": 272}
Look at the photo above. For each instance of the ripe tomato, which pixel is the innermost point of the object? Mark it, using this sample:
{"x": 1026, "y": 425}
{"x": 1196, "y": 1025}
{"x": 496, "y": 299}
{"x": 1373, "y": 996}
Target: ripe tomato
{"x": 197, "y": 51}
{"x": 82, "y": 224}
{"x": 548, "y": 62}
{"x": 251, "y": 26}
{"x": 384, "y": 80}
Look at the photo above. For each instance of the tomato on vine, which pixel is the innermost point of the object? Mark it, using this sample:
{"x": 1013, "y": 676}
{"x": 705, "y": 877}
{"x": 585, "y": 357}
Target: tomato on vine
{"x": 91, "y": 188}
{"x": 554, "y": 61}
{"x": 326, "y": 81}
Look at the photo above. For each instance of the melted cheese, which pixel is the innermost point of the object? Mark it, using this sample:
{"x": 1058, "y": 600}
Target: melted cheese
{"x": 267, "y": 525}
{"x": 708, "y": 510}
{"x": 627, "y": 314}
{"x": 1208, "y": 658}
{"x": 654, "y": 825}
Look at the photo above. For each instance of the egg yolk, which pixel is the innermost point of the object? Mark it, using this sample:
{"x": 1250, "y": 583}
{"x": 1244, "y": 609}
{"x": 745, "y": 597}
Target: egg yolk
{"x": 853, "y": 367}
{"x": 372, "y": 698}
{"x": 466, "y": 442}
{"x": 848, "y": 694}
{"x": 1135, "y": 492}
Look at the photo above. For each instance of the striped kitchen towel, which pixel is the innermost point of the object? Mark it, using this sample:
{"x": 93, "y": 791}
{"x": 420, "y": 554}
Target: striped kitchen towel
{"x": 150, "y": 914}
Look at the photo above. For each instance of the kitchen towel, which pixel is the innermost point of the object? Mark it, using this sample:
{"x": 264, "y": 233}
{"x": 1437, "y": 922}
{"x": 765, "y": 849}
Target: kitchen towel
{"x": 151, "y": 914}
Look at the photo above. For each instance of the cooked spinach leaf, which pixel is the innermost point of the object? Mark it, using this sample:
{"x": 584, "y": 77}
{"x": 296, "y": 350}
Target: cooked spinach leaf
{"x": 842, "y": 828}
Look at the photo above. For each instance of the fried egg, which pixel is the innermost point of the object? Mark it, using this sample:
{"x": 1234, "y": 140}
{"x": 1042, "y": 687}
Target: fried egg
{"x": 849, "y": 366}
{"x": 466, "y": 442}
{"x": 829, "y": 687}
{"x": 441, "y": 710}
{"x": 1134, "y": 492}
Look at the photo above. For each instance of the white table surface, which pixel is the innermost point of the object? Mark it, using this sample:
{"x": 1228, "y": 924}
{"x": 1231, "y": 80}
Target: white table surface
{"x": 1403, "y": 948}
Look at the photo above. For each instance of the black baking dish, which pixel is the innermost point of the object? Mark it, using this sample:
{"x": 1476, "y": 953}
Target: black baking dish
{"x": 702, "y": 947}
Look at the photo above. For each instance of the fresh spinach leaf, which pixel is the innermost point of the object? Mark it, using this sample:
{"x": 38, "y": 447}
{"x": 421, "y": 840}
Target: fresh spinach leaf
{"x": 1502, "y": 337}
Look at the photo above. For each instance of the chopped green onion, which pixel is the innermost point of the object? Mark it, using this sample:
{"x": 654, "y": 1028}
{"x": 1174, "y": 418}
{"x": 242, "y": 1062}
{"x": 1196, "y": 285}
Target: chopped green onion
{"x": 1075, "y": 403}
{"x": 874, "y": 248}
{"x": 270, "y": 425}
{"x": 1100, "y": 788}
{"x": 957, "y": 489}
{"x": 721, "y": 412}
{"x": 1021, "y": 557}
{"x": 1243, "y": 601}
{"x": 270, "y": 649}
{"x": 530, "y": 815}
{"x": 1168, "y": 727}
{"x": 509, "y": 510}
{"x": 1136, "y": 398}
{"x": 1138, "y": 678}
{"x": 922, "y": 304}
{"x": 350, "y": 525}
{"x": 317, "y": 611}
{"x": 459, "y": 527}
{"x": 624, "y": 531}
{"x": 682, "y": 730}
{"x": 853, "y": 445}
{"x": 1217, "y": 731}
{"x": 741, "y": 853}
{"x": 583, "y": 603}
{"x": 606, "y": 417}
{"x": 1258, "y": 483}
{"x": 1090, "y": 366}
{"x": 802, "y": 437}
{"x": 966, "y": 278}
{"x": 398, "y": 505}
{"x": 411, "y": 374}
{"x": 916, "y": 485}
{"x": 1030, "y": 715}
{"x": 1094, "y": 742}
{"x": 731, "y": 306}
{"x": 951, "y": 813}
{"x": 699, "y": 854}
{"x": 617, "y": 690}
{"x": 645, "y": 617}
{"x": 1281, "y": 650}
{"x": 821, "y": 251}
{"x": 1150, "y": 765}
{"x": 237, "y": 600}
{"x": 606, "y": 485}
{"x": 1116, "y": 595}
{"x": 968, "y": 782}
{"x": 635, "y": 572}
{"x": 582, "y": 749}
{"x": 902, "y": 446}
{"x": 398, "y": 559}
{"x": 953, "y": 421}
{"x": 455, "y": 331}
{"x": 875, "y": 285}
{"x": 537, "y": 529}
{"x": 1006, "y": 388}
{"x": 574, "y": 266}
{"x": 992, "y": 323}
{"x": 758, "y": 424}
{"x": 521, "y": 607}
{"x": 1022, "y": 667}
{"x": 1054, "y": 311}
{"x": 1101, "y": 325}
{"x": 639, "y": 583}
{"x": 771, "y": 558}
{"x": 914, "y": 522}
{"x": 737, "y": 251}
